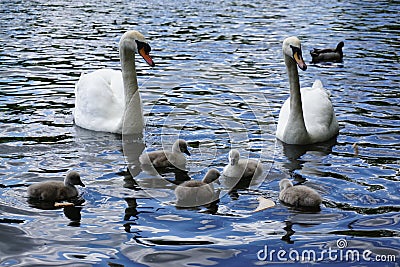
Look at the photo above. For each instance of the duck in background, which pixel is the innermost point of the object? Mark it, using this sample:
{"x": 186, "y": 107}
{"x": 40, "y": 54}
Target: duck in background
{"x": 328, "y": 54}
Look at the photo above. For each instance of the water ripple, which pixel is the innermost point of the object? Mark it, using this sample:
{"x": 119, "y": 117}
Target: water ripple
{"x": 219, "y": 82}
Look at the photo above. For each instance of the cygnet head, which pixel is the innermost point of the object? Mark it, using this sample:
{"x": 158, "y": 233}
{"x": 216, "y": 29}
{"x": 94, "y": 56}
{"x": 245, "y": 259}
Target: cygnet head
{"x": 181, "y": 146}
{"x": 73, "y": 178}
{"x": 137, "y": 43}
{"x": 234, "y": 156}
{"x": 292, "y": 48}
{"x": 211, "y": 176}
{"x": 285, "y": 183}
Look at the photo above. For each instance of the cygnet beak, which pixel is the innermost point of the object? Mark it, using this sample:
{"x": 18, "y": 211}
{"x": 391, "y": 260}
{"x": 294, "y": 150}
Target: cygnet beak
{"x": 186, "y": 152}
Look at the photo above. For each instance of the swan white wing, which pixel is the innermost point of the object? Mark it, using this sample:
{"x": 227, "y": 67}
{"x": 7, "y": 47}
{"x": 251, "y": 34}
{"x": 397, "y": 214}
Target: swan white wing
{"x": 99, "y": 101}
{"x": 318, "y": 112}
{"x": 319, "y": 115}
{"x": 283, "y": 119}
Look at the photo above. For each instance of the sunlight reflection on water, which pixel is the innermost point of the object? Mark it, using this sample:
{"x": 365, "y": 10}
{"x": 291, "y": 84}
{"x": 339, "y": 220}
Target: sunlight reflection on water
{"x": 210, "y": 57}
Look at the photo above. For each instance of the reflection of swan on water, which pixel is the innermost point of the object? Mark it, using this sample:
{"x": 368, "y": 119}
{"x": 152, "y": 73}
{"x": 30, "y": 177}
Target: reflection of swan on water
{"x": 299, "y": 195}
{"x": 294, "y": 153}
{"x": 242, "y": 171}
{"x": 307, "y": 116}
{"x": 163, "y": 158}
{"x": 56, "y": 190}
{"x": 104, "y": 97}
{"x": 196, "y": 193}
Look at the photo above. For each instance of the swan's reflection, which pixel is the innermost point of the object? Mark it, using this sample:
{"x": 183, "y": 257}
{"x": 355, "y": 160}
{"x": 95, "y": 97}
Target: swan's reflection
{"x": 131, "y": 214}
{"x": 133, "y": 147}
{"x": 304, "y": 219}
{"x": 294, "y": 153}
{"x": 200, "y": 255}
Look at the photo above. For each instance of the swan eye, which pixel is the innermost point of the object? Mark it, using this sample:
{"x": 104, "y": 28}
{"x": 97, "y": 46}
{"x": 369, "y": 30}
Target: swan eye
{"x": 296, "y": 50}
{"x": 298, "y": 57}
{"x": 144, "y": 45}
{"x": 147, "y": 48}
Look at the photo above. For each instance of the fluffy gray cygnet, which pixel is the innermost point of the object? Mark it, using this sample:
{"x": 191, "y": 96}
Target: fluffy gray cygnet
{"x": 196, "y": 193}
{"x": 299, "y": 195}
{"x": 240, "y": 169}
{"x": 56, "y": 190}
{"x": 163, "y": 158}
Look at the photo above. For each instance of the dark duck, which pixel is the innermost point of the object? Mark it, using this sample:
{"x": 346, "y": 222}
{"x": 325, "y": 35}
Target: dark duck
{"x": 328, "y": 54}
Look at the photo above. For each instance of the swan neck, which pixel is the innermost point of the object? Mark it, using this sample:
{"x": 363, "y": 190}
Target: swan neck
{"x": 127, "y": 58}
{"x": 295, "y": 125}
{"x": 133, "y": 121}
{"x": 294, "y": 81}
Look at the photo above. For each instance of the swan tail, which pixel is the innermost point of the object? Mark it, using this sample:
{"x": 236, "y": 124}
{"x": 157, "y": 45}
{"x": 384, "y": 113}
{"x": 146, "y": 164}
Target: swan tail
{"x": 317, "y": 84}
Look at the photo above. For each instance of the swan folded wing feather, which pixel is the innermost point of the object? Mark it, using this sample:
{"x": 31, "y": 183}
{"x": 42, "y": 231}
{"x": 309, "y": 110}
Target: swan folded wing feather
{"x": 319, "y": 115}
{"x": 318, "y": 112}
{"x": 283, "y": 119}
{"x": 95, "y": 91}
{"x": 246, "y": 170}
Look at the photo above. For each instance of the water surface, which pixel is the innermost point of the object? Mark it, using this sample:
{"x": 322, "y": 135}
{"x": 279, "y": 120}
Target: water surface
{"x": 219, "y": 83}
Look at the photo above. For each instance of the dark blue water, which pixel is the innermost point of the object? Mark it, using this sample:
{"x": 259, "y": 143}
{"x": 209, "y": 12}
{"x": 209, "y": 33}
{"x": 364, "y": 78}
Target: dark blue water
{"x": 219, "y": 82}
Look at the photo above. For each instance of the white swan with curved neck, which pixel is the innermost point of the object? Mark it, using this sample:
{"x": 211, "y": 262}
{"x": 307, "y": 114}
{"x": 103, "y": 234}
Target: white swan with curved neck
{"x": 104, "y": 97}
{"x": 307, "y": 116}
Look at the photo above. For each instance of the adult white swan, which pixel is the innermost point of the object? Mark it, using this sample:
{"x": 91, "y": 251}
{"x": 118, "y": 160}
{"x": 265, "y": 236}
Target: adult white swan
{"x": 307, "y": 116}
{"x": 104, "y": 97}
